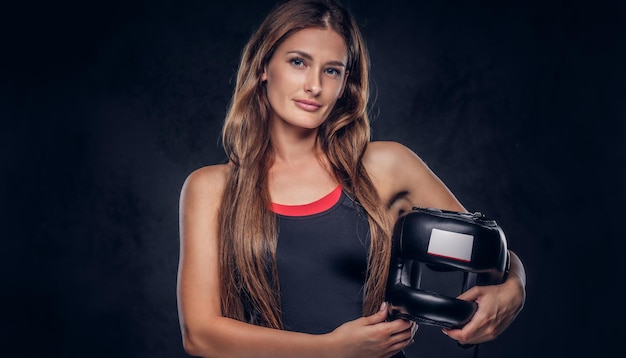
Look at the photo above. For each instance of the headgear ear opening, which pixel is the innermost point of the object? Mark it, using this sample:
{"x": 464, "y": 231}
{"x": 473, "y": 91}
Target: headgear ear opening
{"x": 443, "y": 241}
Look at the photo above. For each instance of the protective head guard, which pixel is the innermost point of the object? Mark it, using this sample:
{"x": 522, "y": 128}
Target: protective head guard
{"x": 444, "y": 241}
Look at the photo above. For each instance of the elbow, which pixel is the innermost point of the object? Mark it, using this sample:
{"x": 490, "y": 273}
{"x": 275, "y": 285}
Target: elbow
{"x": 196, "y": 345}
{"x": 190, "y": 346}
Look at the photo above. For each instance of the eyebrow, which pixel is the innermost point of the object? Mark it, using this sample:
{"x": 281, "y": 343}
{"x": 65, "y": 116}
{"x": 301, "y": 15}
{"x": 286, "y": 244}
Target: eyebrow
{"x": 310, "y": 58}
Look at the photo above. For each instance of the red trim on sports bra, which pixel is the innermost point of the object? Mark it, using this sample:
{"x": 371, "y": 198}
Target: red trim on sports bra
{"x": 315, "y": 207}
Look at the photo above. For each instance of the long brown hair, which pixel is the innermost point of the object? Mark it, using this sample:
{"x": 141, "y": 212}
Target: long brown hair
{"x": 247, "y": 228}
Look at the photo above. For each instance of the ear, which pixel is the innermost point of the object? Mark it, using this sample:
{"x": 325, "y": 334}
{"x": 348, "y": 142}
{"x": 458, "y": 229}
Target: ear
{"x": 264, "y": 75}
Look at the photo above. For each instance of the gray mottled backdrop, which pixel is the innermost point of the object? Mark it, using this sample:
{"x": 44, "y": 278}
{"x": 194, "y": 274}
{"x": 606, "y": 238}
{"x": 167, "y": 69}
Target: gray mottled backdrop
{"x": 519, "y": 106}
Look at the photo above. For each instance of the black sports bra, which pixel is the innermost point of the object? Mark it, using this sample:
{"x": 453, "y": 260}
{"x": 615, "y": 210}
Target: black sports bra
{"x": 321, "y": 260}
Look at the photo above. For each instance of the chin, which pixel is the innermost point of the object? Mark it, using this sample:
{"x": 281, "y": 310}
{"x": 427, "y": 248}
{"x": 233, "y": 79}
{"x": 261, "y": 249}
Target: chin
{"x": 307, "y": 123}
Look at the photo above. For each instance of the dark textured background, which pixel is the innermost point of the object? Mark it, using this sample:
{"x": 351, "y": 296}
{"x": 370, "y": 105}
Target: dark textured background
{"x": 519, "y": 106}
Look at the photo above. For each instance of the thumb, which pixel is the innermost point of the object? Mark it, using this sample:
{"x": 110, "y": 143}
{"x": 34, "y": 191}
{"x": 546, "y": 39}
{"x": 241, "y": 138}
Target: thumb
{"x": 470, "y": 295}
{"x": 377, "y": 317}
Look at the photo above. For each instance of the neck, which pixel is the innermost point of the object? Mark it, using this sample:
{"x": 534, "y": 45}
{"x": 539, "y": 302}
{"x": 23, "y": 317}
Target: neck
{"x": 294, "y": 145}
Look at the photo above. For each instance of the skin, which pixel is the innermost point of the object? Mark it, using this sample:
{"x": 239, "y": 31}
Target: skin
{"x": 304, "y": 78}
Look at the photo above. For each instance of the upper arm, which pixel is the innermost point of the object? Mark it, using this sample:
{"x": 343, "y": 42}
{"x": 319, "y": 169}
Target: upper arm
{"x": 206, "y": 333}
{"x": 403, "y": 180}
{"x": 198, "y": 271}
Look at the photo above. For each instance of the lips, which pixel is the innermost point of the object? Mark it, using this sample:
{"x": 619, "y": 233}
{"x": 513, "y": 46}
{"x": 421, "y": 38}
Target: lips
{"x": 309, "y": 106}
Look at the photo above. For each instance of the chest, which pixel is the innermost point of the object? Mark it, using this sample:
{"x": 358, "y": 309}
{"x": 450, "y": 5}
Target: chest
{"x": 337, "y": 242}
{"x": 322, "y": 264}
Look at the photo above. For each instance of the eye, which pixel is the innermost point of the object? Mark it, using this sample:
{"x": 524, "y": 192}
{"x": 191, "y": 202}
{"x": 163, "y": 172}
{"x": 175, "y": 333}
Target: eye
{"x": 297, "y": 62}
{"x": 333, "y": 72}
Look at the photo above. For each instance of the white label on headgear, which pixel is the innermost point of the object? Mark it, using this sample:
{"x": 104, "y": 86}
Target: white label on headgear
{"x": 451, "y": 244}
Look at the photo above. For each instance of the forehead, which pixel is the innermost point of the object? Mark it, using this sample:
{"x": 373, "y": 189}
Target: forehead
{"x": 322, "y": 44}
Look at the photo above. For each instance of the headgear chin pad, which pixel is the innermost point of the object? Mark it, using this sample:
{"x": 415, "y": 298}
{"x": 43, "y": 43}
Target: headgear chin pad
{"x": 444, "y": 241}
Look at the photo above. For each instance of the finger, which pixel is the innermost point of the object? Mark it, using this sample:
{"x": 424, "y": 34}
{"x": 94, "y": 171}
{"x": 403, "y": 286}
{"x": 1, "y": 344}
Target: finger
{"x": 400, "y": 344}
{"x": 399, "y": 326}
{"x": 377, "y": 317}
{"x": 470, "y": 295}
{"x": 402, "y": 335}
{"x": 414, "y": 327}
{"x": 466, "y": 335}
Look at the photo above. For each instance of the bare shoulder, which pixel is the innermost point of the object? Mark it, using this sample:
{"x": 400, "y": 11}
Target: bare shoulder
{"x": 382, "y": 150}
{"x": 210, "y": 178}
{"x": 206, "y": 182}
{"x": 386, "y": 159}
{"x": 403, "y": 180}
{"x": 389, "y": 152}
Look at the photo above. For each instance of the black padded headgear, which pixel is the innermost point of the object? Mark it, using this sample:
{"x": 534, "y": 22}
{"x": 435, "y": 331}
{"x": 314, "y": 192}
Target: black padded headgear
{"x": 444, "y": 241}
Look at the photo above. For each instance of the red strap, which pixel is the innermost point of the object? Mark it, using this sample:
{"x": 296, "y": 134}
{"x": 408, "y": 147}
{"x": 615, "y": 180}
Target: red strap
{"x": 315, "y": 207}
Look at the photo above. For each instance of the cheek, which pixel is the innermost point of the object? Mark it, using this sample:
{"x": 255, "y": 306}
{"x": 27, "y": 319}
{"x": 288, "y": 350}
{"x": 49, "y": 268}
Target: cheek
{"x": 333, "y": 91}
{"x": 279, "y": 79}
{"x": 278, "y": 88}
{"x": 273, "y": 87}
{"x": 334, "y": 86}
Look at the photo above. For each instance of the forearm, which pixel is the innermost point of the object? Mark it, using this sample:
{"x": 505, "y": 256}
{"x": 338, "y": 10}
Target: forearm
{"x": 517, "y": 276}
{"x": 517, "y": 269}
{"x": 224, "y": 337}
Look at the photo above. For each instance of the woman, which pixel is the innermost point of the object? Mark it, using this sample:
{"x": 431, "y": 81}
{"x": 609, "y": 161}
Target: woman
{"x": 285, "y": 249}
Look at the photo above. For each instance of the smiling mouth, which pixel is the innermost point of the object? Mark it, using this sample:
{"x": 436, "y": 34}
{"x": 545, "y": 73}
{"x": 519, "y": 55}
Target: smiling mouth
{"x": 308, "y": 106}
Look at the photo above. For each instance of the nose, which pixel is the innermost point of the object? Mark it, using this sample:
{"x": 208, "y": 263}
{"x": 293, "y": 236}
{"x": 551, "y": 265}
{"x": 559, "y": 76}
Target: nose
{"x": 313, "y": 84}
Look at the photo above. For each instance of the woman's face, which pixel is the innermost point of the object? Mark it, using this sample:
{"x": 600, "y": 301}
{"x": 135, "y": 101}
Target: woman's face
{"x": 305, "y": 77}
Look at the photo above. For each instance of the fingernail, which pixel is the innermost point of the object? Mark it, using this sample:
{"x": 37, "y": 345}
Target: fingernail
{"x": 383, "y": 306}
{"x": 444, "y": 331}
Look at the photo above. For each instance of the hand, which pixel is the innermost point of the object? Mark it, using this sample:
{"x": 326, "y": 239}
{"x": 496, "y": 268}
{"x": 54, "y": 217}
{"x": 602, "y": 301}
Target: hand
{"x": 498, "y": 305}
{"x": 373, "y": 336}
